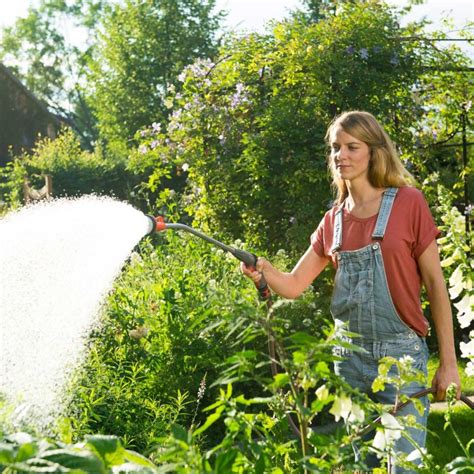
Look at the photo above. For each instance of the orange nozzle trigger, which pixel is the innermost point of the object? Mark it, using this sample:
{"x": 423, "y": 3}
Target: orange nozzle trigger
{"x": 160, "y": 223}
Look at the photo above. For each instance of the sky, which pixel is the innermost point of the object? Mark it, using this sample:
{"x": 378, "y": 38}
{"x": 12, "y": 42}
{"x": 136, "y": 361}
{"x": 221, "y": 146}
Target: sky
{"x": 252, "y": 15}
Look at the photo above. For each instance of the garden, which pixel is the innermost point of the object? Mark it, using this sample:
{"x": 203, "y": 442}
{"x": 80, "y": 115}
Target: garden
{"x": 226, "y": 134}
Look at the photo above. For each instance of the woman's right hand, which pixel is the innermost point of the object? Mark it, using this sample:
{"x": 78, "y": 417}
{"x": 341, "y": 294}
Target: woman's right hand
{"x": 256, "y": 273}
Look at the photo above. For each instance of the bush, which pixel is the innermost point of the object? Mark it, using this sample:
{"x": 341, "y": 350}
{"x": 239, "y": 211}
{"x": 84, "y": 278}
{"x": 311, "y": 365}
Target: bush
{"x": 74, "y": 171}
{"x": 247, "y": 129}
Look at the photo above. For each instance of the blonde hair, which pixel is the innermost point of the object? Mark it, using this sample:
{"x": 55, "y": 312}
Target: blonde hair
{"x": 385, "y": 167}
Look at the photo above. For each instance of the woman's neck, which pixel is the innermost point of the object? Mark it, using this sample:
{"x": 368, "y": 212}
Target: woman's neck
{"x": 363, "y": 200}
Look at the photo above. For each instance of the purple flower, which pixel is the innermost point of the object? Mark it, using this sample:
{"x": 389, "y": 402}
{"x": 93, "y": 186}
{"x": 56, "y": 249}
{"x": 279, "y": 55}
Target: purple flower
{"x": 364, "y": 54}
{"x": 394, "y": 60}
{"x": 144, "y": 133}
{"x": 156, "y": 126}
{"x": 154, "y": 144}
{"x": 143, "y": 149}
{"x": 377, "y": 49}
{"x": 435, "y": 134}
{"x": 350, "y": 50}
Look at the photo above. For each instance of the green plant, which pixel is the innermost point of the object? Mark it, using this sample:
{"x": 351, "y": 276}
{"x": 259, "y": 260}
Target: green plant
{"x": 247, "y": 128}
{"x": 20, "y": 452}
{"x": 74, "y": 171}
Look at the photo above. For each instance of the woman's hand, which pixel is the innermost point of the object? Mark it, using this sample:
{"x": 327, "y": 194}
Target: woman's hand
{"x": 443, "y": 378}
{"x": 257, "y": 273}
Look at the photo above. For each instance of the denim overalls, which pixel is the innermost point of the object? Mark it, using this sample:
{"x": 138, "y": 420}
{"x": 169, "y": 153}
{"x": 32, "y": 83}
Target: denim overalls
{"x": 361, "y": 299}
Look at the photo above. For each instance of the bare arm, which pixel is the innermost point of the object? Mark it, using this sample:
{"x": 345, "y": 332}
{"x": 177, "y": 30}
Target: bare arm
{"x": 433, "y": 279}
{"x": 290, "y": 285}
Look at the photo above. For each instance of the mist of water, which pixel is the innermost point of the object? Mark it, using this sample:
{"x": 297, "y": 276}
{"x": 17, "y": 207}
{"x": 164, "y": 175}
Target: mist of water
{"x": 58, "y": 260}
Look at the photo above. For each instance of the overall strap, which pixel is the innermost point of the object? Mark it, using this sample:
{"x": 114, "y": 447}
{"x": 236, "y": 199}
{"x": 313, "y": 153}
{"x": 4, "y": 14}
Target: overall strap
{"x": 337, "y": 236}
{"x": 384, "y": 213}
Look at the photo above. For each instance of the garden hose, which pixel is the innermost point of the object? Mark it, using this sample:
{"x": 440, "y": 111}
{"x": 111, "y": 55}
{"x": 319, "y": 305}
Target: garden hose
{"x": 394, "y": 411}
{"x": 158, "y": 224}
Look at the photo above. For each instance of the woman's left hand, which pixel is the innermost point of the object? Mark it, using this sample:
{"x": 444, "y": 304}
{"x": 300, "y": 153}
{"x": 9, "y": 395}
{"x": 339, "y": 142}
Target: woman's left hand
{"x": 443, "y": 378}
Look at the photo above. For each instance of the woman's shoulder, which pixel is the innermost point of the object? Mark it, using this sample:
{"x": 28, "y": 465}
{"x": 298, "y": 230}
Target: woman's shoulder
{"x": 410, "y": 194}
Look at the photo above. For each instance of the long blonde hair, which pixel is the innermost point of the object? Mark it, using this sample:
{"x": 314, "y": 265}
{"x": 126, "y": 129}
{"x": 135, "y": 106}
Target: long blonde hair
{"x": 385, "y": 167}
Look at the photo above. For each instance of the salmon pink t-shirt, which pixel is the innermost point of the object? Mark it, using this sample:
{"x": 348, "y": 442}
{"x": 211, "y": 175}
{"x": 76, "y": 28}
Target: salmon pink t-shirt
{"x": 409, "y": 231}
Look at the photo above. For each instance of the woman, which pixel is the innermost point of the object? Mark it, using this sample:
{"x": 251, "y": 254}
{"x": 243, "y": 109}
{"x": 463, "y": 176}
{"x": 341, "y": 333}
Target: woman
{"x": 380, "y": 236}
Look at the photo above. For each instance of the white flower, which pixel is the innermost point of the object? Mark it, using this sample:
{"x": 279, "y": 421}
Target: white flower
{"x": 322, "y": 392}
{"x": 470, "y": 369}
{"x": 415, "y": 454}
{"x": 357, "y": 414}
{"x": 467, "y": 349}
{"x": 407, "y": 360}
{"x": 465, "y": 314}
{"x": 185, "y": 167}
{"x": 391, "y": 430}
{"x": 341, "y": 407}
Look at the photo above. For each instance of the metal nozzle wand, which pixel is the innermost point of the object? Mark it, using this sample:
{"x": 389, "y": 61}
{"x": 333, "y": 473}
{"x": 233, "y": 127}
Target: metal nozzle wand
{"x": 158, "y": 224}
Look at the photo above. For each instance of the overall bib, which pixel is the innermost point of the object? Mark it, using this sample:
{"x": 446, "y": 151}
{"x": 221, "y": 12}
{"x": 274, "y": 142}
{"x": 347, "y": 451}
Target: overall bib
{"x": 361, "y": 300}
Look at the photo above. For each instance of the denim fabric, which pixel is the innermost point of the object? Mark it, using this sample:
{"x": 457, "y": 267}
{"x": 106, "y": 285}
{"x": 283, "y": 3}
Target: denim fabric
{"x": 361, "y": 300}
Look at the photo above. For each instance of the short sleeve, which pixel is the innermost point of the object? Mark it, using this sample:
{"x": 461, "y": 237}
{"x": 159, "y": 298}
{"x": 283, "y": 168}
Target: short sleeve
{"x": 317, "y": 239}
{"x": 424, "y": 227}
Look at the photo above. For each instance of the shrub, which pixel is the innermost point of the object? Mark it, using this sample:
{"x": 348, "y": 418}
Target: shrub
{"x": 74, "y": 171}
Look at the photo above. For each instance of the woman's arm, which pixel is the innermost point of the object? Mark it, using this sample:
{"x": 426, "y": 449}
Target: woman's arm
{"x": 289, "y": 285}
{"x": 433, "y": 279}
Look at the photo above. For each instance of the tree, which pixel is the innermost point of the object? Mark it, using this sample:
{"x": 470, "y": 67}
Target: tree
{"x": 142, "y": 49}
{"x": 248, "y": 129}
{"x": 38, "y": 51}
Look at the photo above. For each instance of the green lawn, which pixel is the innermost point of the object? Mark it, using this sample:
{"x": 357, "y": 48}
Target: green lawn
{"x": 442, "y": 444}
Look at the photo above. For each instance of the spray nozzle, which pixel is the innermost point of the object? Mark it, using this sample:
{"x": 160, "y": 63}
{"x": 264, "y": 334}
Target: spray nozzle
{"x": 156, "y": 224}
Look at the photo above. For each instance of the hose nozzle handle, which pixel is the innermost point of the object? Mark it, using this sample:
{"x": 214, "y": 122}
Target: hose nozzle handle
{"x": 250, "y": 261}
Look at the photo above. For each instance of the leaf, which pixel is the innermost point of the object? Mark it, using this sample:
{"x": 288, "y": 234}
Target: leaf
{"x": 211, "y": 419}
{"x": 109, "y": 449}
{"x": 280, "y": 380}
{"x": 7, "y": 453}
{"x": 138, "y": 459}
{"x": 180, "y": 433}
{"x": 26, "y": 451}
{"x": 74, "y": 459}
{"x": 225, "y": 461}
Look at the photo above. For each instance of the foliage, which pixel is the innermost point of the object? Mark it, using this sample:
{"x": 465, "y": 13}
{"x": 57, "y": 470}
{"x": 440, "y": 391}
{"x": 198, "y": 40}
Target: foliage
{"x": 247, "y": 129}
{"x": 441, "y": 442}
{"x": 98, "y": 454}
{"x": 43, "y": 58}
{"x": 455, "y": 249}
{"x": 163, "y": 332}
{"x": 74, "y": 171}
{"x": 142, "y": 48}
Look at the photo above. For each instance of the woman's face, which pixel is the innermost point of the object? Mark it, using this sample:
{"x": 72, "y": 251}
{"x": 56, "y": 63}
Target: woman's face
{"x": 350, "y": 156}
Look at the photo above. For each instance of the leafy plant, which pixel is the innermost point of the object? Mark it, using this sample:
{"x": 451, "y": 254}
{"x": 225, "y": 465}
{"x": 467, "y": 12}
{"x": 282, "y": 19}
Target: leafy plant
{"x": 98, "y": 454}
